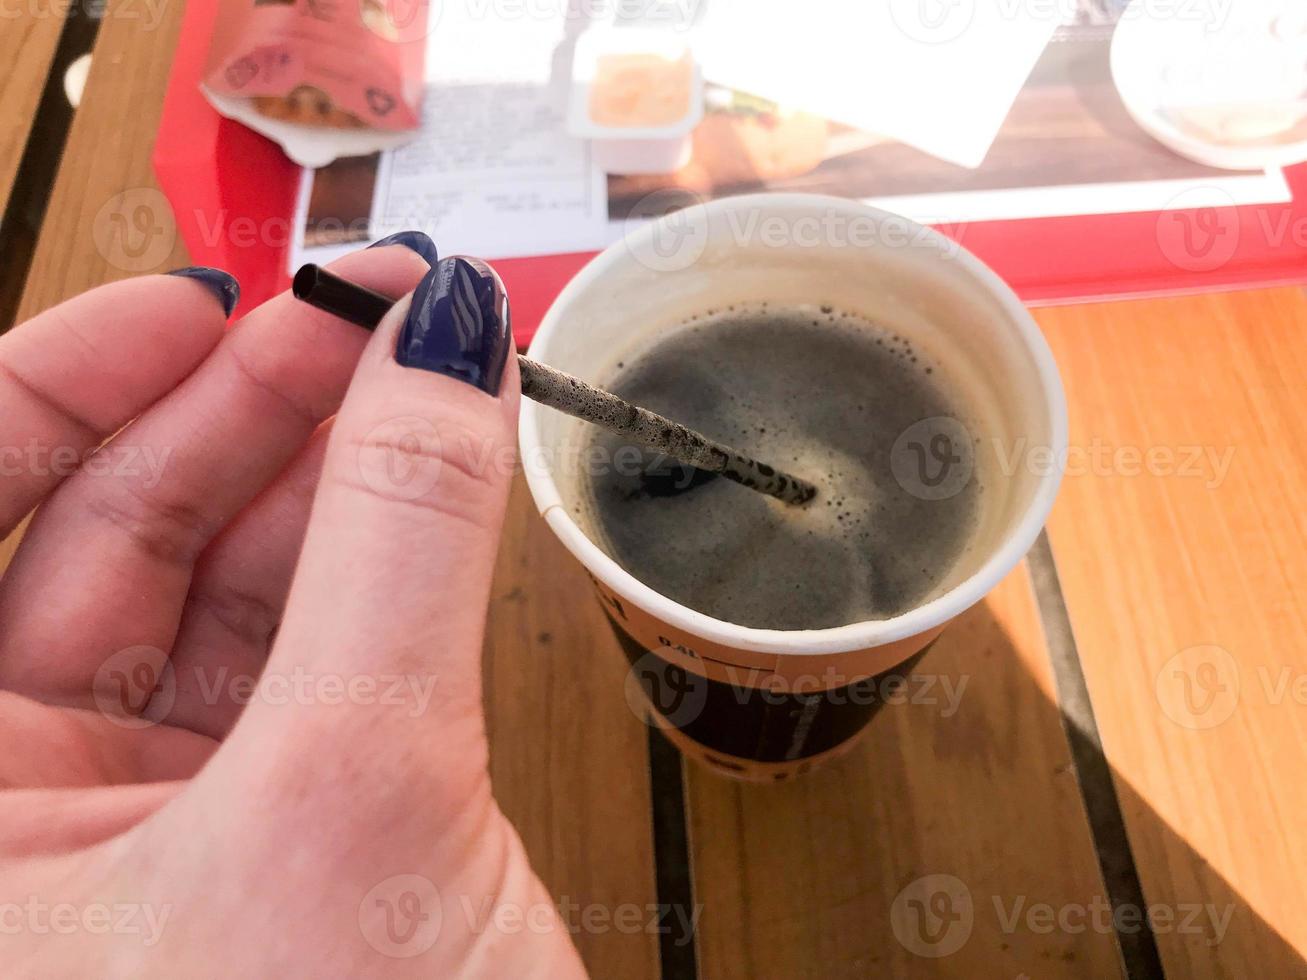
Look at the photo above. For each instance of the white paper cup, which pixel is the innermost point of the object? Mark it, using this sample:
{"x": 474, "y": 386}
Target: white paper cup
{"x": 769, "y": 704}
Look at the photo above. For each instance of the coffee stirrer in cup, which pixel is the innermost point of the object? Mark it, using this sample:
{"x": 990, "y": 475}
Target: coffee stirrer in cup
{"x": 572, "y": 396}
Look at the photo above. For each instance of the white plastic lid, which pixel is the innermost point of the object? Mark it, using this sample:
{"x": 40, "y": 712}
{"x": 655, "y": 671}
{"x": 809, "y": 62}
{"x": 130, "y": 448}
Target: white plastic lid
{"x": 309, "y": 146}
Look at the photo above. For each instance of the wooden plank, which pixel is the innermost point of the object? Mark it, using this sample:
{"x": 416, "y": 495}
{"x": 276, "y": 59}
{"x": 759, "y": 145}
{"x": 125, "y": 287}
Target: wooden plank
{"x": 107, "y": 219}
{"x": 826, "y": 877}
{"x": 568, "y": 757}
{"x": 105, "y": 167}
{"x": 1183, "y": 578}
{"x": 27, "y": 45}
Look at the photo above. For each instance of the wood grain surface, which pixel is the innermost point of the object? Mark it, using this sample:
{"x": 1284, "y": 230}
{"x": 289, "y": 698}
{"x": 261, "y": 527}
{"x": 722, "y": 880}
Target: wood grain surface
{"x": 29, "y": 33}
{"x": 1183, "y": 578}
{"x": 107, "y": 219}
{"x": 925, "y": 851}
{"x": 568, "y": 757}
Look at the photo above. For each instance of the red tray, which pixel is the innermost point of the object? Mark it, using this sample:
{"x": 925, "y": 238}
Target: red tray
{"x": 233, "y": 195}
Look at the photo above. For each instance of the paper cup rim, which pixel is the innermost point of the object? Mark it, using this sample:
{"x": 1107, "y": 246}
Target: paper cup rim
{"x": 839, "y": 639}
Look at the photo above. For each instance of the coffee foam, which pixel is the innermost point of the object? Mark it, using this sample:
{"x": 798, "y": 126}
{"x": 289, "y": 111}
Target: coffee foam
{"x": 824, "y": 394}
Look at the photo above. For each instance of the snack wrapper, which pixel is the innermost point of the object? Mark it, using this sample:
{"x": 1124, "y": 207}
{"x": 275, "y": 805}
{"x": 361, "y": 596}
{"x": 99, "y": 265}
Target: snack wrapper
{"x": 335, "y": 64}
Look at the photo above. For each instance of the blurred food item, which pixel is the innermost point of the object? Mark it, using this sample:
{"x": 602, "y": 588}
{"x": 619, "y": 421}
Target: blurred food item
{"x": 342, "y": 64}
{"x": 640, "y": 89}
{"x": 1272, "y": 124}
{"x": 308, "y": 105}
{"x": 744, "y": 141}
{"x": 1229, "y": 94}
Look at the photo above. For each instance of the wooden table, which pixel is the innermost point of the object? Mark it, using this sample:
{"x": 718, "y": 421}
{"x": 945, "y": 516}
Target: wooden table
{"x": 1133, "y": 730}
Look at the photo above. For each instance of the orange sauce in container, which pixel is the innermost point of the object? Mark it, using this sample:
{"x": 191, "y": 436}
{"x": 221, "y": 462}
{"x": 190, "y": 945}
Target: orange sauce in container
{"x": 640, "y": 91}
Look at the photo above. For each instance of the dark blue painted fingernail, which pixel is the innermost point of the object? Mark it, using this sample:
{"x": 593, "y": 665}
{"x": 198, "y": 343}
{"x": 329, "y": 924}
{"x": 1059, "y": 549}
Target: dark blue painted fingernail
{"x": 458, "y": 325}
{"x": 415, "y": 241}
{"x": 223, "y": 285}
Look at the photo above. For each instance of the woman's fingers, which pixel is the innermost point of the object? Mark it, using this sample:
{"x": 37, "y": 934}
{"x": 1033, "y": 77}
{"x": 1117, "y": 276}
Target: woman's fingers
{"x": 383, "y": 629}
{"x": 377, "y": 762}
{"x": 77, "y": 373}
{"x": 56, "y": 821}
{"x": 371, "y": 766}
{"x": 51, "y": 747}
{"x": 112, "y": 554}
{"x": 237, "y": 598}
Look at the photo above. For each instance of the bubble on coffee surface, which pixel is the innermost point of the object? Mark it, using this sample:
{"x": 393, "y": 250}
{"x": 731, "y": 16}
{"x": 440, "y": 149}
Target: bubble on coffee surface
{"x": 820, "y": 392}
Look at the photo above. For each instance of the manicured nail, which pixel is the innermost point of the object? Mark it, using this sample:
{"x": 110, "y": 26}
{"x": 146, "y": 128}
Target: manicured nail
{"x": 415, "y": 241}
{"x": 223, "y": 285}
{"x": 458, "y": 325}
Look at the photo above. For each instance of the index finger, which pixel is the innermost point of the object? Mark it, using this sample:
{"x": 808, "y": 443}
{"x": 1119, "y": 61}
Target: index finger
{"x": 79, "y": 372}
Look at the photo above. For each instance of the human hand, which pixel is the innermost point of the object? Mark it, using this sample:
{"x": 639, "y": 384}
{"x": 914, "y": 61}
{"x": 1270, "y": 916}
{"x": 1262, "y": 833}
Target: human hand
{"x": 334, "y": 818}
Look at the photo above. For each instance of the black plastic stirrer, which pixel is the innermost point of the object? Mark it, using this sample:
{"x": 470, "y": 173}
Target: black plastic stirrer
{"x": 548, "y": 386}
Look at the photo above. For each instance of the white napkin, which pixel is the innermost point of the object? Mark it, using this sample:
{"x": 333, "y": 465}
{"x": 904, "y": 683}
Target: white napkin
{"x": 940, "y": 75}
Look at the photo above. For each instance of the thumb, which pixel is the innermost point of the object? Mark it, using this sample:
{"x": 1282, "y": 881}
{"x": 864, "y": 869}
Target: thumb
{"x": 390, "y": 595}
{"x": 370, "y": 770}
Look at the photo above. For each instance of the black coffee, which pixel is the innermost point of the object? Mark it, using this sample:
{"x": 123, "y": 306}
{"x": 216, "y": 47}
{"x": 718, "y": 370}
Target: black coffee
{"x": 825, "y": 395}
